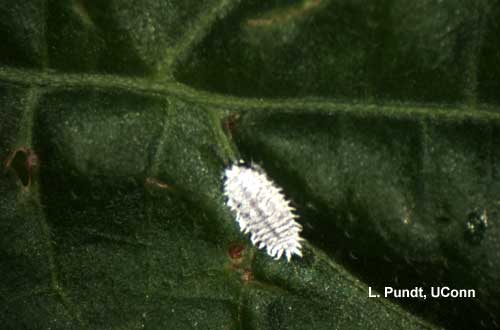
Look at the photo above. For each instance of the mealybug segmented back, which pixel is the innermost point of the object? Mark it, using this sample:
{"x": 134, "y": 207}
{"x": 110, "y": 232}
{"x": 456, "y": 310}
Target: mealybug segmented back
{"x": 262, "y": 210}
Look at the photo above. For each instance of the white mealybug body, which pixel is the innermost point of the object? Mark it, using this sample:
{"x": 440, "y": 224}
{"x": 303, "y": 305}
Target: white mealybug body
{"x": 262, "y": 210}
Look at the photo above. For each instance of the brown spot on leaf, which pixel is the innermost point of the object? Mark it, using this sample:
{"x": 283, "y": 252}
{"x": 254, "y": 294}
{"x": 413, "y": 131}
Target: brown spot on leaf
{"x": 229, "y": 123}
{"x": 235, "y": 250}
{"x": 24, "y": 162}
{"x": 241, "y": 262}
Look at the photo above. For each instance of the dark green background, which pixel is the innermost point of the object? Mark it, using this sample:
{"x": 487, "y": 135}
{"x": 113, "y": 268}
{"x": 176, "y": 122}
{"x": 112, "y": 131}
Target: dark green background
{"x": 380, "y": 119}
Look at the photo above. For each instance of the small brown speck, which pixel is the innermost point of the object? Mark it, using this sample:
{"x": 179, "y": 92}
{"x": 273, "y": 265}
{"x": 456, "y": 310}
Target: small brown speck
{"x": 229, "y": 123}
{"x": 235, "y": 251}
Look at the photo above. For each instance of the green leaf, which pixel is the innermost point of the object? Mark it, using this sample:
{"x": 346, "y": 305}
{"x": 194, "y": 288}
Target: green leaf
{"x": 380, "y": 119}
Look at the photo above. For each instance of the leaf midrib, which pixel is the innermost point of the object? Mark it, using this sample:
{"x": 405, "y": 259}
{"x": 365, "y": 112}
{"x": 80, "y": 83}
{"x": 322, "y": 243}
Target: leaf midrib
{"x": 52, "y": 80}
